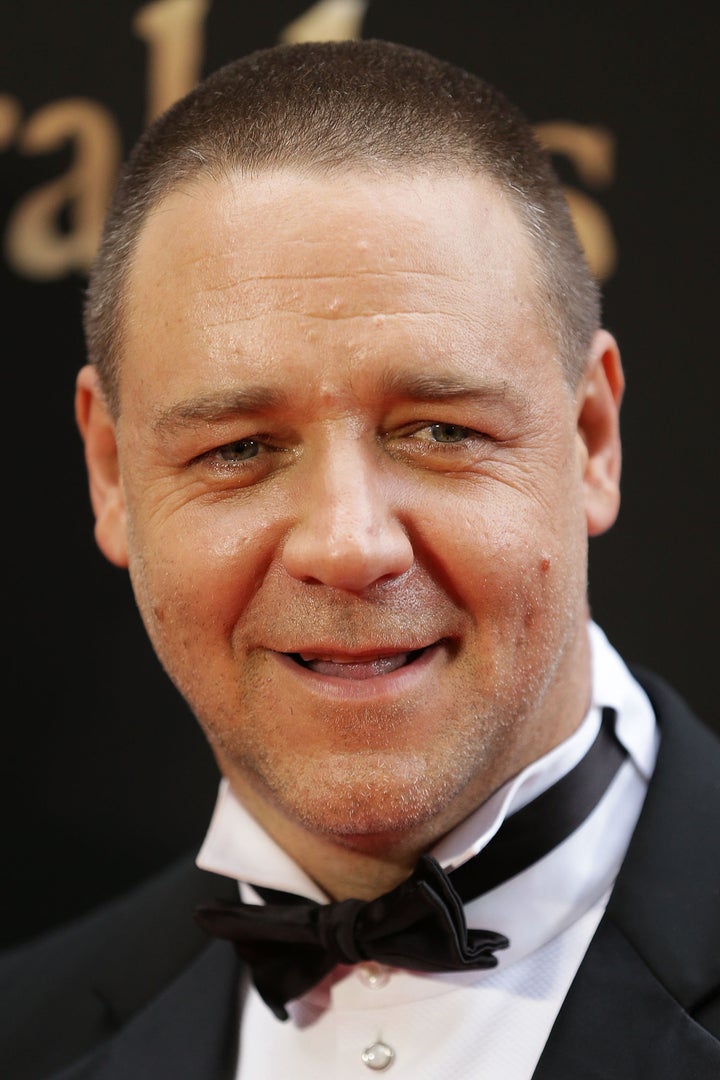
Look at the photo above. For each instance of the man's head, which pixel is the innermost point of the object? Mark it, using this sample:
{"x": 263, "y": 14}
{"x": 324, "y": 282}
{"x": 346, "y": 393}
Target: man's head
{"x": 347, "y": 460}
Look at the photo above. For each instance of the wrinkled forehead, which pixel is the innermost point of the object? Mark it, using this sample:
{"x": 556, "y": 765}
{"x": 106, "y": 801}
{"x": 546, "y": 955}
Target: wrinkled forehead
{"x": 298, "y": 227}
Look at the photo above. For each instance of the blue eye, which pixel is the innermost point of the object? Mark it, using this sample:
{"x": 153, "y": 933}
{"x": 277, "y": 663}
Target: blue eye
{"x": 242, "y": 450}
{"x": 449, "y": 433}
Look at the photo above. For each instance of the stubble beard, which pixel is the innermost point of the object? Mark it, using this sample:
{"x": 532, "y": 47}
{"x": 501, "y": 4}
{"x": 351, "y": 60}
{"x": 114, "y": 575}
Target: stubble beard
{"x": 398, "y": 791}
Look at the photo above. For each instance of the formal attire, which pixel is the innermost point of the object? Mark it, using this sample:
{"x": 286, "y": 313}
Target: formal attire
{"x": 613, "y": 969}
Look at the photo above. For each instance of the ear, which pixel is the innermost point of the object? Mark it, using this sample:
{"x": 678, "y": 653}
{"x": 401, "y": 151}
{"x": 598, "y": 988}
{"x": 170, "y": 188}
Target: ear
{"x": 97, "y": 429}
{"x": 598, "y": 422}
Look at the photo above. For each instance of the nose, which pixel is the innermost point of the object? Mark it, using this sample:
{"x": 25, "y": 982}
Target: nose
{"x": 347, "y": 534}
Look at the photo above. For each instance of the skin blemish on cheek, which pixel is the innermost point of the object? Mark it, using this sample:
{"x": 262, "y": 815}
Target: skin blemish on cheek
{"x": 158, "y": 612}
{"x": 545, "y": 564}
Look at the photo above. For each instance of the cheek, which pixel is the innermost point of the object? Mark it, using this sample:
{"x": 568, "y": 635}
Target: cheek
{"x": 197, "y": 569}
{"x": 556, "y": 576}
{"x": 515, "y": 568}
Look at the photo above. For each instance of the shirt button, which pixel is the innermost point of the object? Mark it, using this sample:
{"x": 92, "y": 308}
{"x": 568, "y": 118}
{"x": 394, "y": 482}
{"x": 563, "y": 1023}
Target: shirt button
{"x": 379, "y": 1056}
{"x": 373, "y": 975}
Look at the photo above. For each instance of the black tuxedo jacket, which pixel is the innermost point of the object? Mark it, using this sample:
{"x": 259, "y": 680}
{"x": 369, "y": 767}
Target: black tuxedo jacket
{"x": 136, "y": 992}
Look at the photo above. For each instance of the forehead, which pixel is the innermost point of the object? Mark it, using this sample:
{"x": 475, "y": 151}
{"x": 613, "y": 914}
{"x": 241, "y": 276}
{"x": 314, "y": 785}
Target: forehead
{"x": 287, "y": 205}
{"x": 255, "y": 270}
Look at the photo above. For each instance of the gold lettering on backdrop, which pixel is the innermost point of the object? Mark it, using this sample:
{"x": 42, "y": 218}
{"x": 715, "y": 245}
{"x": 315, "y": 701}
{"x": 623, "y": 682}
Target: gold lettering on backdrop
{"x": 35, "y": 243}
{"x": 592, "y": 152}
{"x": 40, "y": 245}
{"x": 10, "y": 116}
{"x": 328, "y": 20}
{"x": 173, "y": 33}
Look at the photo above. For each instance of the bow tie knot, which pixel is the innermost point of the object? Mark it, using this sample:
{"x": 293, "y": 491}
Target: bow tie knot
{"x": 337, "y": 931}
{"x": 395, "y": 928}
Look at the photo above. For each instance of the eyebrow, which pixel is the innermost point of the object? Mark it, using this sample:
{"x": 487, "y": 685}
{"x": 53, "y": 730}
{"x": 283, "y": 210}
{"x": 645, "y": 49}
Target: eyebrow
{"x": 419, "y": 386}
{"x": 220, "y": 405}
{"x": 257, "y": 399}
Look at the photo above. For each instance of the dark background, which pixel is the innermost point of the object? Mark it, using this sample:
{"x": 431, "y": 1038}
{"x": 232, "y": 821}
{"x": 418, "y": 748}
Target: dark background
{"x": 105, "y": 776}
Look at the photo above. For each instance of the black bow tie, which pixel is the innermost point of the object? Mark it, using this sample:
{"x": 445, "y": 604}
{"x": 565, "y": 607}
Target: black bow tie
{"x": 291, "y": 943}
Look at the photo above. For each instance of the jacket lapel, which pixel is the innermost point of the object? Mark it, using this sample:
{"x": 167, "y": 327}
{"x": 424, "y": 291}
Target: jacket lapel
{"x": 619, "y": 1022}
{"x": 189, "y": 1031}
{"x": 642, "y": 998}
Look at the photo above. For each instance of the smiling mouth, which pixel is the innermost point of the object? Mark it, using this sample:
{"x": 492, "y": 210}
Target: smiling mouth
{"x": 357, "y": 667}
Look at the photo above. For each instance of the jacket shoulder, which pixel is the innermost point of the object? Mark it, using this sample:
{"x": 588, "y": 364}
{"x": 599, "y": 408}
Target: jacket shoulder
{"x": 87, "y": 978}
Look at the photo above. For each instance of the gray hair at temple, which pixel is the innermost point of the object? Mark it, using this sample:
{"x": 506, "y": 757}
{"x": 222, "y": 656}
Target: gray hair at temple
{"x": 330, "y": 108}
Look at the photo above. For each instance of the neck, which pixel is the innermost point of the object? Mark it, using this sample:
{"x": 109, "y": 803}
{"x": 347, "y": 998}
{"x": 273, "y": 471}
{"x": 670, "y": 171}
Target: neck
{"x": 345, "y": 873}
{"x": 348, "y": 866}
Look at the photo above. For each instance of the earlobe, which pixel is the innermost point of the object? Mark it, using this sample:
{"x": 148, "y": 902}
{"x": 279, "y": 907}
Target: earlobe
{"x": 97, "y": 429}
{"x": 599, "y": 398}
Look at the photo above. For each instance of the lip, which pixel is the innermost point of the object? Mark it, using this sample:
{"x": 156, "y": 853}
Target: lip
{"x": 355, "y": 657}
{"x": 355, "y": 667}
{"x": 398, "y": 682}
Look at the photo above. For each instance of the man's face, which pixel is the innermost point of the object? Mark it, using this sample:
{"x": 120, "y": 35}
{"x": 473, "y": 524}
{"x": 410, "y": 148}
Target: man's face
{"x": 353, "y": 492}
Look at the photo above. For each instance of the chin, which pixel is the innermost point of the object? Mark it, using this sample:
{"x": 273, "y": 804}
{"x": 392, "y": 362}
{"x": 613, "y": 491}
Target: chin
{"x": 369, "y": 806}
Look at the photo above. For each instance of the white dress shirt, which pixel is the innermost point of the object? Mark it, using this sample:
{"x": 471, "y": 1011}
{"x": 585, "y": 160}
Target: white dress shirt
{"x": 492, "y": 1023}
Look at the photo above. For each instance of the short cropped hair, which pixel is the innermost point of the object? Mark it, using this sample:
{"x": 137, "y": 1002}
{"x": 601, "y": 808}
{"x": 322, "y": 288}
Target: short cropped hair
{"x": 330, "y": 108}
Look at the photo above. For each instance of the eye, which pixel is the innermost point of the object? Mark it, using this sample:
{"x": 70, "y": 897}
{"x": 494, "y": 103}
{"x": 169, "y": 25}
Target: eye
{"x": 449, "y": 433}
{"x": 240, "y": 462}
{"x": 242, "y": 450}
{"x": 440, "y": 444}
{"x": 241, "y": 457}
{"x": 443, "y": 433}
